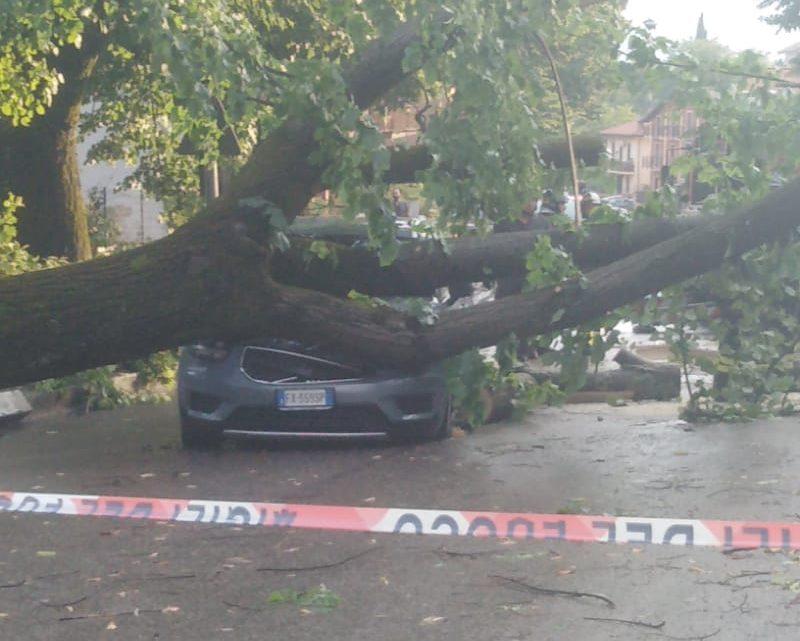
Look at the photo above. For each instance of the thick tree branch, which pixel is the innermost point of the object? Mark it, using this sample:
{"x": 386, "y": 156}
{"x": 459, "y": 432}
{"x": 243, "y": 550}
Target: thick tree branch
{"x": 405, "y": 162}
{"x": 279, "y": 169}
{"x": 624, "y": 281}
{"x": 422, "y": 266}
{"x": 672, "y": 261}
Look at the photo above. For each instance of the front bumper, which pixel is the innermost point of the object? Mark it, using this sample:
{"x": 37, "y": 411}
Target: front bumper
{"x": 221, "y": 395}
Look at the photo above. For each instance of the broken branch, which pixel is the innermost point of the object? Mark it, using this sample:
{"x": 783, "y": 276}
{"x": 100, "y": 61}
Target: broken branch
{"x": 527, "y": 587}
{"x": 324, "y": 566}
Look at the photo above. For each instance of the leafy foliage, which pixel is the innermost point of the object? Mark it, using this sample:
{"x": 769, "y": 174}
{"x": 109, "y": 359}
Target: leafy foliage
{"x": 179, "y": 85}
{"x": 317, "y": 599}
{"x": 103, "y": 229}
{"x": 787, "y": 15}
{"x": 14, "y": 258}
{"x": 100, "y": 389}
{"x": 744, "y": 147}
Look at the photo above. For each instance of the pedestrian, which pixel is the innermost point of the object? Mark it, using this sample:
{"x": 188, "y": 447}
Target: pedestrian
{"x": 587, "y": 205}
{"x": 549, "y": 206}
{"x": 400, "y": 206}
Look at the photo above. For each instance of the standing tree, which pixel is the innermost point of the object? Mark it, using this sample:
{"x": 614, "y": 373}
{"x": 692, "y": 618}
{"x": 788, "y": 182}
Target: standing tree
{"x": 159, "y": 71}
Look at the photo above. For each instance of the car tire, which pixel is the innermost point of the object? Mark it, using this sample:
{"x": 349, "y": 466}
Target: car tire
{"x": 445, "y": 428}
{"x": 196, "y": 435}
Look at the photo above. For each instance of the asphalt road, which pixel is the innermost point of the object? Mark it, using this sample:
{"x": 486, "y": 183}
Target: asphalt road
{"x": 84, "y": 578}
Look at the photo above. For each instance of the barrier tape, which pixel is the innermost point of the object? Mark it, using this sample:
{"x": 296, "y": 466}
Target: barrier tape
{"x": 551, "y": 527}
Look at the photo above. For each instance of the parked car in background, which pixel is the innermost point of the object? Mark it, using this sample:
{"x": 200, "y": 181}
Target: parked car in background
{"x": 282, "y": 388}
{"x": 620, "y": 202}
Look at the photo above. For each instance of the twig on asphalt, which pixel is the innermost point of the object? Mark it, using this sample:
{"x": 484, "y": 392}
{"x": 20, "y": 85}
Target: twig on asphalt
{"x": 644, "y": 624}
{"x": 111, "y": 615}
{"x": 324, "y": 566}
{"x": 744, "y": 549}
{"x": 471, "y": 555}
{"x": 56, "y": 575}
{"x": 165, "y": 577}
{"x": 513, "y": 450}
{"x": 729, "y": 581}
{"x": 239, "y": 606}
{"x": 18, "y": 584}
{"x": 699, "y": 638}
{"x": 47, "y": 604}
{"x": 553, "y": 592}
{"x": 747, "y": 574}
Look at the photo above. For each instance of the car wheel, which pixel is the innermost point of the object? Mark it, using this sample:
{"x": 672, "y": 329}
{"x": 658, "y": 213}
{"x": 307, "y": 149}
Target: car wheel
{"x": 196, "y": 435}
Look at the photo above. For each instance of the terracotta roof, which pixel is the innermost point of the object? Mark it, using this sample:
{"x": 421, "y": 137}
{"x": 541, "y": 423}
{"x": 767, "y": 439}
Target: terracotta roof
{"x": 633, "y": 128}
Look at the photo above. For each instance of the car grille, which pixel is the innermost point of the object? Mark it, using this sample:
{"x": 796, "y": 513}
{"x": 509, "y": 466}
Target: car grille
{"x": 277, "y": 366}
{"x": 352, "y": 419}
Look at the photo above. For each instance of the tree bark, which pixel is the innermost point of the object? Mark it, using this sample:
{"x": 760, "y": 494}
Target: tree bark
{"x": 40, "y": 163}
{"x": 422, "y": 266}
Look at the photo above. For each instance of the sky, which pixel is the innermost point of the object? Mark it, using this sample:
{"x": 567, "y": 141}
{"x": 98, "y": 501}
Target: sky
{"x": 734, "y": 23}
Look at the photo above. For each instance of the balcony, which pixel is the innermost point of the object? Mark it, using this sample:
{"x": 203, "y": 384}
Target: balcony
{"x": 621, "y": 166}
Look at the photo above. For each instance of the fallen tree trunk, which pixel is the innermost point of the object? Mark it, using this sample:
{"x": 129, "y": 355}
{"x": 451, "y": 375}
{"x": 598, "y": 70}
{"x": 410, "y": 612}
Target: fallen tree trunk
{"x": 641, "y": 378}
{"x": 204, "y": 281}
{"x": 424, "y": 265}
{"x": 672, "y": 261}
{"x": 649, "y": 379}
{"x": 212, "y": 279}
{"x": 637, "y": 379}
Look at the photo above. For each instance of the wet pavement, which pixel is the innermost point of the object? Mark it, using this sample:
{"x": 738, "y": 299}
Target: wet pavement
{"x": 85, "y": 578}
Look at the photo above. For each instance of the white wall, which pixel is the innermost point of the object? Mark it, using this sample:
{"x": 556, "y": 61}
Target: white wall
{"x": 135, "y": 216}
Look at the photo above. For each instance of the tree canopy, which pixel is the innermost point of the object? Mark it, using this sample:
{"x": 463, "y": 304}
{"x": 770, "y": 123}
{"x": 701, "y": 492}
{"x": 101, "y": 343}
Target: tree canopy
{"x": 290, "y": 90}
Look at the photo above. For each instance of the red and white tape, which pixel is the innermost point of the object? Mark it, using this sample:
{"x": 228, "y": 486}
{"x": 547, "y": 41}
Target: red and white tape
{"x": 558, "y": 527}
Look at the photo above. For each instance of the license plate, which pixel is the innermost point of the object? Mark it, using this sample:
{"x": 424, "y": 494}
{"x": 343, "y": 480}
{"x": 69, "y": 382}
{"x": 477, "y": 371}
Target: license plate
{"x": 319, "y": 399}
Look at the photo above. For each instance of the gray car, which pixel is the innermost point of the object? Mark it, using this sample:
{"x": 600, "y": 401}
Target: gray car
{"x": 279, "y": 388}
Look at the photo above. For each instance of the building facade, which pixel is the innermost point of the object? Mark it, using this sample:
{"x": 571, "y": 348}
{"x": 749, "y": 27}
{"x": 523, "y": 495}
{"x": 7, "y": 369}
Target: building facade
{"x": 640, "y": 152}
